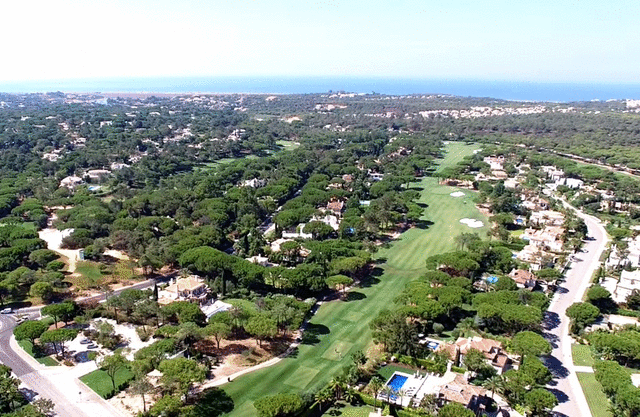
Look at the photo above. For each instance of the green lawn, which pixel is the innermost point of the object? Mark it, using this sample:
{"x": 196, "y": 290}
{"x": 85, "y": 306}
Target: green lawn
{"x": 288, "y": 145}
{"x": 349, "y": 411}
{"x": 341, "y": 327}
{"x": 598, "y": 402}
{"x": 45, "y": 360}
{"x": 582, "y": 355}
{"x": 90, "y": 271}
{"x": 386, "y": 371}
{"x": 100, "y": 382}
{"x": 210, "y": 165}
{"x": 245, "y": 304}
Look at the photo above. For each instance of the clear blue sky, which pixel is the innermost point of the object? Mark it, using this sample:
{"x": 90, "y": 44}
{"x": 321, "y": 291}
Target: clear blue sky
{"x": 537, "y": 40}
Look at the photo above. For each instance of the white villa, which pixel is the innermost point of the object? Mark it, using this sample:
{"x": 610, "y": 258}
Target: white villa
{"x": 549, "y": 237}
{"x": 71, "y": 182}
{"x": 191, "y": 288}
{"x": 546, "y": 218}
{"x": 631, "y": 257}
{"x": 620, "y": 290}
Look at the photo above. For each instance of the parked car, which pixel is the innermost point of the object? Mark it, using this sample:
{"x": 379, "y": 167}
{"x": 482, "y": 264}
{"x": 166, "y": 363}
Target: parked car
{"x": 85, "y": 341}
{"x": 7, "y": 310}
{"x": 92, "y": 346}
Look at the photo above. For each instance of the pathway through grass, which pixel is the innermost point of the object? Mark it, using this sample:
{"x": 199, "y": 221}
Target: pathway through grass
{"x": 340, "y": 328}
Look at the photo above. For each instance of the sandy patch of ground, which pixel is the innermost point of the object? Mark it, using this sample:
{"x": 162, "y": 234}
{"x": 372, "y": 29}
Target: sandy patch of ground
{"x": 130, "y": 336}
{"x": 129, "y": 404}
{"x": 474, "y": 224}
{"x": 54, "y": 237}
{"x": 117, "y": 254}
{"x": 457, "y": 194}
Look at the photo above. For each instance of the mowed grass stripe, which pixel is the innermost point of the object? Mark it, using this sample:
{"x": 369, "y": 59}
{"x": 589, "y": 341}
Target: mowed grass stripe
{"x": 347, "y": 322}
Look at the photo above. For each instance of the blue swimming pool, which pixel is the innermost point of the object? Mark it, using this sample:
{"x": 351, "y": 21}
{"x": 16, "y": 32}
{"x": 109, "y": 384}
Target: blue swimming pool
{"x": 396, "y": 382}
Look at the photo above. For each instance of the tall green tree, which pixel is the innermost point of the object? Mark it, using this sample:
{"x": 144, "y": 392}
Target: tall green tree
{"x": 30, "y": 330}
{"x": 261, "y": 327}
{"x": 112, "y": 364}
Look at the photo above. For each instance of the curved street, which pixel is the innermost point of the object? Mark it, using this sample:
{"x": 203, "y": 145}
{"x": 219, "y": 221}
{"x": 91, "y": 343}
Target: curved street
{"x": 60, "y": 384}
{"x": 74, "y": 399}
{"x": 565, "y": 384}
{"x": 30, "y": 376}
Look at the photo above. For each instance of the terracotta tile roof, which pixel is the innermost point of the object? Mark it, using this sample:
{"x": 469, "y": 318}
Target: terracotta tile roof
{"x": 479, "y": 343}
{"x": 460, "y": 391}
{"x": 335, "y": 205}
{"x": 501, "y": 360}
{"x": 521, "y": 276}
{"x": 186, "y": 284}
{"x": 487, "y": 346}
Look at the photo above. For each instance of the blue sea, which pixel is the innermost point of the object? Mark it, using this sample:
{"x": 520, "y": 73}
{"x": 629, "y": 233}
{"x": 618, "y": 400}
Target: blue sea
{"x": 507, "y": 90}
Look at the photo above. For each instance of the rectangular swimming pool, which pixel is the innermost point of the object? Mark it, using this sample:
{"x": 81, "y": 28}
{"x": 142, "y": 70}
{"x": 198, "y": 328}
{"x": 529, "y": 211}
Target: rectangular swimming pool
{"x": 396, "y": 382}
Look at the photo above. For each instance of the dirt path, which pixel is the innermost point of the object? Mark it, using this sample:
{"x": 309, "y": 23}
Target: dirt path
{"x": 54, "y": 237}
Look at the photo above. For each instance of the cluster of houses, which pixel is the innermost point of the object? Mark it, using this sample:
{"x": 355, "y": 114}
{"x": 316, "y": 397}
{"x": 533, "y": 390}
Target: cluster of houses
{"x": 452, "y": 386}
{"x": 544, "y": 234}
{"x": 626, "y": 259}
{"x": 93, "y": 176}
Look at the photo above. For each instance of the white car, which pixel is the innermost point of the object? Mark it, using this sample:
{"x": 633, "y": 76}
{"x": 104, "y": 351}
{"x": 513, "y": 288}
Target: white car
{"x": 7, "y": 310}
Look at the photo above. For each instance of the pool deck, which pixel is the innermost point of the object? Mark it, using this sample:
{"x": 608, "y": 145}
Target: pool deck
{"x": 418, "y": 385}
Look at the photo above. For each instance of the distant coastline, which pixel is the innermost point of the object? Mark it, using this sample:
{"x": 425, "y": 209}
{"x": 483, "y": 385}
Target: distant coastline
{"x": 505, "y": 90}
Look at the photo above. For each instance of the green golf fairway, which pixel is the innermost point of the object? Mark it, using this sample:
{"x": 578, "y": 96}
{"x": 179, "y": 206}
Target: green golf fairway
{"x": 342, "y": 327}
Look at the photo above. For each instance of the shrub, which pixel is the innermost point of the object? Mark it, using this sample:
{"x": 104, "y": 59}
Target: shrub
{"x": 55, "y": 266}
{"x": 279, "y": 405}
{"x": 144, "y": 333}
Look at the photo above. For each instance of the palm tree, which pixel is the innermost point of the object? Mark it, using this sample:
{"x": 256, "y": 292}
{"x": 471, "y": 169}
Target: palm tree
{"x": 375, "y": 385}
{"x": 466, "y": 326}
{"x": 324, "y": 396}
{"x": 429, "y": 403}
{"x": 337, "y": 386}
{"x": 350, "y": 396}
{"x": 402, "y": 393}
{"x": 494, "y": 384}
{"x": 388, "y": 392}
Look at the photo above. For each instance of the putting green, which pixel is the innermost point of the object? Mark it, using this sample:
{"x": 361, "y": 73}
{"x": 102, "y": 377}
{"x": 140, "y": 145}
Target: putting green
{"x": 337, "y": 350}
{"x": 344, "y": 325}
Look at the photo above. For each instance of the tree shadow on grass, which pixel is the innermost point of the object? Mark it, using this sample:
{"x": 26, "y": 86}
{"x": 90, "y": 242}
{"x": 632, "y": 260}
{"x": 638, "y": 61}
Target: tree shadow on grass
{"x": 313, "y": 332}
{"x": 423, "y": 224}
{"x": 354, "y": 296}
{"x": 369, "y": 281}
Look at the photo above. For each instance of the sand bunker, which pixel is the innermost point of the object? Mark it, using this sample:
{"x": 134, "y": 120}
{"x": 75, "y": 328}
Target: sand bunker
{"x": 457, "y": 194}
{"x": 472, "y": 223}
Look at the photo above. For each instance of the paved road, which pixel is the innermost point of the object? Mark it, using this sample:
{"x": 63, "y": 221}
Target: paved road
{"x": 565, "y": 385}
{"x": 71, "y": 397}
{"x": 29, "y": 375}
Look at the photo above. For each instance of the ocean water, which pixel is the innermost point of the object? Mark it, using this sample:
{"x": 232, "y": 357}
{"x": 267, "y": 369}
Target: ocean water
{"x": 507, "y": 90}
